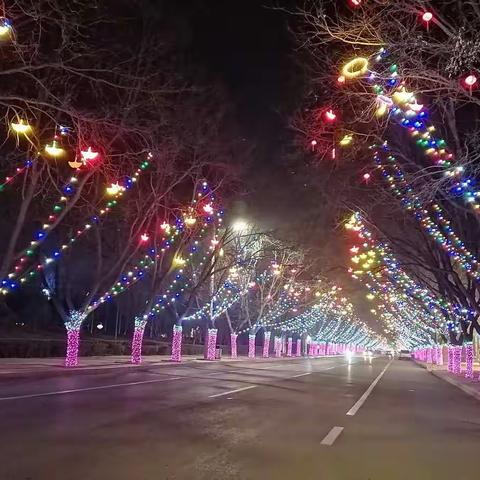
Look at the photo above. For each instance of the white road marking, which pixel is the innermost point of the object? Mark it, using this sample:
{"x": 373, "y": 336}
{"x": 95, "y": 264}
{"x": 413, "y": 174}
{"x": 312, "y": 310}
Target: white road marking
{"x": 232, "y": 391}
{"x": 88, "y": 389}
{"x": 368, "y": 391}
{"x": 331, "y": 436}
{"x": 301, "y": 375}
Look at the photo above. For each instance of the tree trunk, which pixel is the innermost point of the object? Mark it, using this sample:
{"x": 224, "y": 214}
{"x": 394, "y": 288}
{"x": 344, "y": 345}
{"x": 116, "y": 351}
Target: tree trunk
{"x": 266, "y": 344}
{"x": 251, "y": 345}
{"x": 73, "y": 346}
{"x": 233, "y": 345}
{"x": 177, "y": 344}
{"x": 211, "y": 344}
{"x": 136, "y": 356}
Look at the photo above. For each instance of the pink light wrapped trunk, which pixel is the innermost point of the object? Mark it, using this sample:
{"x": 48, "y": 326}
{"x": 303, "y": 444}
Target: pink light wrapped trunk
{"x": 457, "y": 360}
{"x": 429, "y": 355}
{"x": 440, "y": 356}
{"x": 450, "y": 358}
{"x": 177, "y": 344}
{"x": 73, "y": 346}
{"x": 298, "y": 351}
{"x": 469, "y": 360}
{"x": 251, "y": 345}
{"x": 278, "y": 347}
{"x": 211, "y": 342}
{"x": 289, "y": 346}
{"x": 137, "y": 340}
{"x": 266, "y": 344}
{"x": 233, "y": 345}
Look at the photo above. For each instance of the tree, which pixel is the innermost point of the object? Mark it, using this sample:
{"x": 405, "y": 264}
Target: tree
{"x": 403, "y": 51}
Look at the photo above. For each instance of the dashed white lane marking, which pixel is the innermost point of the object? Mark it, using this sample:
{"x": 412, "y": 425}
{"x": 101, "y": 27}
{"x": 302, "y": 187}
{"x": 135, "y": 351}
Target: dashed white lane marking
{"x": 368, "y": 391}
{"x": 301, "y": 375}
{"x": 89, "y": 389}
{"x": 331, "y": 436}
{"x": 232, "y": 391}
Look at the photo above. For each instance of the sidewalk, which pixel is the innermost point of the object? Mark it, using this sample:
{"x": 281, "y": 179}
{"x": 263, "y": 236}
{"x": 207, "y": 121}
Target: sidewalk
{"x": 24, "y": 366}
{"x": 469, "y": 386}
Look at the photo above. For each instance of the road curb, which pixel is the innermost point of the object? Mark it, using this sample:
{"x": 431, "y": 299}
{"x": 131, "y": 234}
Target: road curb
{"x": 464, "y": 388}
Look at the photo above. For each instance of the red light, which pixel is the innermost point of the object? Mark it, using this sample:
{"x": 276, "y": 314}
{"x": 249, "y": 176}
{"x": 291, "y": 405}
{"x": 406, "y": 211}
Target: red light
{"x": 366, "y": 177}
{"x": 470, "y": 81}
{"x": 355, "y": 3}
{"x": 427, "y": 16}
{"x": 144, "y": 237}
{"x": 313, "y": 143}
{"x": 330, "y": 116}
{"x": 341, "y": 79}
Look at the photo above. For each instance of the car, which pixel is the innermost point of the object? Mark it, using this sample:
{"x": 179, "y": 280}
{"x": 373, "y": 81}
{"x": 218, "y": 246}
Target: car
{"x": 404, "y": 355}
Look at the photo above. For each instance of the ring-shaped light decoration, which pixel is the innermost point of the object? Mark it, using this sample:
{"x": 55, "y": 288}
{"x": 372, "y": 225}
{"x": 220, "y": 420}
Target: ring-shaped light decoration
{"x": 355, "y": 68}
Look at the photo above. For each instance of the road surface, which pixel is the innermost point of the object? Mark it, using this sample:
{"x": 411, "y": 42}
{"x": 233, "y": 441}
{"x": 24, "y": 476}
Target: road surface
{"x": 318, "y": 419}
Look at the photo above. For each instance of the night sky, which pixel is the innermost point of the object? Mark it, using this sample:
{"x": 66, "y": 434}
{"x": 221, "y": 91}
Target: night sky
{"x": 248, "y": 49}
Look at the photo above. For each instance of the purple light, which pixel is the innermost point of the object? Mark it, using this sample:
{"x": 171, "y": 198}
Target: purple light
{"x": 211, "y": 343}
{"x": 298, "y": 351}
{"x": 457, "y": 360}
{"x": 289, "y": 346}
{"x": 137, "y": 345}
{"x": 251, "y": 345}
{"x": 429, "y": 355}
{"x": 177, "y": 344}
{"x": 440, "y": 356}
{"x": 73, "y": 345}
{"x": 450, "y": 359}
{"x": 266, "y": 344}
{"x": 469, "y": 360}
{"x": 233, "y": 345}
{"x": 278, "y": 347}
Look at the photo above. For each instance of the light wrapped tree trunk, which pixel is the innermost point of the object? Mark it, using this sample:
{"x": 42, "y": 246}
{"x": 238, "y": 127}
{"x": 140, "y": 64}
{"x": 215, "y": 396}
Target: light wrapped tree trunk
{"x": 136, "y": 356}
{"x": 457, "y": 360}
{"x": 73, "y": 325}
{"x": 233, "y": 345}
{"x": 469, "y": 360}
{"x": 266, "y": 344}
{"x": 298, "y": 351}
{"x": 73, "y": 346}
{"x": 289, "y": 346}
{"x": 177, "y": 344}
{"x": 211, "y": 344}
{"x": 251, "y": 345}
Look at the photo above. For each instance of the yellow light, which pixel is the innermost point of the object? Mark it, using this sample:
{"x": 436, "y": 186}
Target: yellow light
{"x": 370, "y": 296}
{"x": 402, "y": 97}
{"x": 190, "y": 221}
{"x": 54, "y": 150}
{"x": 355, "y": 68}
{"x": 114, "y": 189}
{"x": 346, "y": 140}
{"x": 178, "y": 261}
{"x": 21, "y": 127}
{"x": 5, "y": 28}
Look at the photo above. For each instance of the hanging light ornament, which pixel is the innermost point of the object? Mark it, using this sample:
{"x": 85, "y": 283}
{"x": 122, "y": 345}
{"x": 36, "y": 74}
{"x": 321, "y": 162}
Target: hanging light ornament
{"x": 427, "y": 17}
{"x": 88, "y": 155}
{"x": 114, "y": 189}
{"x": 330, "y": 115}
{"x": 21, "y": 127}
{"x": 346, "y": 140}
{"x": 5, "y": 28}
{"x": 470, "y": 82}
{"x": 54, "y": 150}
{"x": 355, "y": 68}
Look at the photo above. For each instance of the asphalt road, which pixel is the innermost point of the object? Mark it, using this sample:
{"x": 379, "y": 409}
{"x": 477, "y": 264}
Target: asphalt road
{"x": 318, "y": 419}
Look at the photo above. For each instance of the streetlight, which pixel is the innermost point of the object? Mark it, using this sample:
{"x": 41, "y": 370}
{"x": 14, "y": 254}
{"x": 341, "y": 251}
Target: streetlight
{"x": 240, "y": 225}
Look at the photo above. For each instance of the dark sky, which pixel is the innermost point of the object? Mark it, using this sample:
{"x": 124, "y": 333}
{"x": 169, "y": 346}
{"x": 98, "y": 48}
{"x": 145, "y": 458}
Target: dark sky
{"x": 247, "y": 46}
